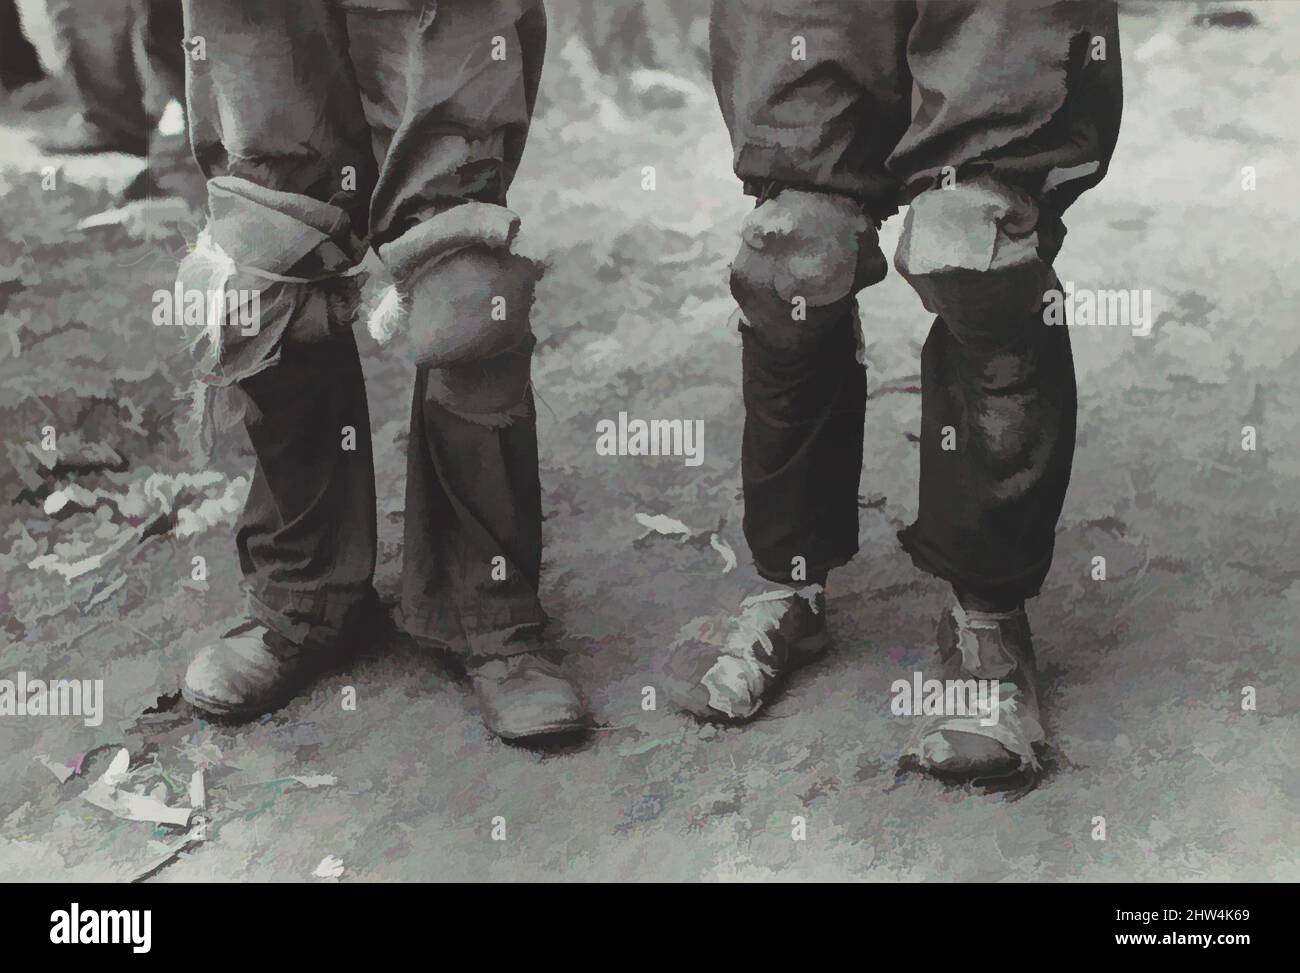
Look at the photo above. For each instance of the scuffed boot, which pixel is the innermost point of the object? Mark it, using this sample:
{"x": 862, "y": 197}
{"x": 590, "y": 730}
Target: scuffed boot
{"x": 984, "y": 645}
{"x": 524, "y": 696}
{"x": 250, "y": 671}
{"x": 728, "y": 673}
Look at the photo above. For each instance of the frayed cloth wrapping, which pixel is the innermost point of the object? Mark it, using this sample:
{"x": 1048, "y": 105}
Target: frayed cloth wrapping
{"x": 1017, "y": 728}
{"x": 387, "y": 316}
{"x": 254, "y": 237}
{"x": 464, "y": 298}
{"x": 737, "y": 680}
{"x": 471, "y": 224}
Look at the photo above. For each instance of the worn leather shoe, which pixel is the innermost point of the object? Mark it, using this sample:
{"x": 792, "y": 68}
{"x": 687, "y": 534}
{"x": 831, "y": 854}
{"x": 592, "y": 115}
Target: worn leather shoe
{"x": 250, "y": 671}
{"x": 525, "y": 695}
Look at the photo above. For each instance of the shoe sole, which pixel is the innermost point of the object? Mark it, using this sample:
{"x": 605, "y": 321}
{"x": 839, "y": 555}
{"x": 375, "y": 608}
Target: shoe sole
{"x": 224, "y": 711}
{"x": 549, "y": 729}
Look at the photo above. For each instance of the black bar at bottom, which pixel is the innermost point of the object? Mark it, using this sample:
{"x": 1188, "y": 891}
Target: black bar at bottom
{"x": 333, "y": 921}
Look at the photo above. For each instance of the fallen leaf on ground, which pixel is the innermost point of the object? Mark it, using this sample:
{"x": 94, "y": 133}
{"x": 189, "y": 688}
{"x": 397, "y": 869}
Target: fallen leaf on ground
{"x": 109, "y": 794}
{"x": 144, "y": 219}
{"x": 330, "y": 867}
{"x": 723, "y": 548}
{"x": 661, "y": 524}
{"x": 63, "y": 772}
{"x": 316, "y": 780}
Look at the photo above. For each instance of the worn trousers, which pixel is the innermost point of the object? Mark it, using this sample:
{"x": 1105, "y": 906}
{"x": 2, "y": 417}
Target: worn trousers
{"x": 393, "y": 111}
{"x": 125, "y": 60}
{"x": 878, "y": 101}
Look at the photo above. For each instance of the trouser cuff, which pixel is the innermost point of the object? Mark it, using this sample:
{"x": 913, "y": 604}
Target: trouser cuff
{"x": 997, "y": 587}
{"x": 485, "y": 633}
{"x": 316, "y": 618}
{"x": 814, "y": 574}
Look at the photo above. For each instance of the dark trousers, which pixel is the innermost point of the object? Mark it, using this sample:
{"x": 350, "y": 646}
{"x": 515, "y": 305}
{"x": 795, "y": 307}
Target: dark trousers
{"x": 125, "y": 60}
{"x": 403, "y": 95}
{"x": 19, "y": 64}
{"x": 888, "y": 96}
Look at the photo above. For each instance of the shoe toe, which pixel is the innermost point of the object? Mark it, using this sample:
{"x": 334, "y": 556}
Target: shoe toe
{"x": 210, "y": 682}
{"x": 966, "y": 754}
{"x": 237, "y": 677}
{"x": 686, "y": 668}
{"x": 529, "y": 703}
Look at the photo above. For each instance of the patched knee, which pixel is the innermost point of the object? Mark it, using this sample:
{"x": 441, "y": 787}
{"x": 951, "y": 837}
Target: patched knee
{"x": 270, "y": 271}
{"x": 458, "y": 289}
{"x": 802, "y": 258}
{"x": 977, "y": 255}
{"x": 490, "y": 391}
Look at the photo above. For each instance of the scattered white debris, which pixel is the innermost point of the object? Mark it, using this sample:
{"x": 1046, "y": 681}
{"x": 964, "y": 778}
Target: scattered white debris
{"x": 198, "y": 791}
{"x": 70, "y": 494}
{"x": 63, "y": 772}
{"x": 661, "y": 524}
{"x": 723, "y": 548}
{"x": 172, "y": 121}
{"x": 330, "y": 867}
{"x": 316, "y": 780}
{"x": 143, "y": 219}
{"x": 188, "y": 504}
{"x": 109, "y": 793}
{"x": 664, "y": 526}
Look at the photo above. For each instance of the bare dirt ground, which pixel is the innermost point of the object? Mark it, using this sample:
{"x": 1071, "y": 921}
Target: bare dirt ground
{"x": 1144, "y": 671}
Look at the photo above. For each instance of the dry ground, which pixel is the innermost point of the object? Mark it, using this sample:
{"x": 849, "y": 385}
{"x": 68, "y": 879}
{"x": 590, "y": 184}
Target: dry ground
{"x": 1144, "y": 672}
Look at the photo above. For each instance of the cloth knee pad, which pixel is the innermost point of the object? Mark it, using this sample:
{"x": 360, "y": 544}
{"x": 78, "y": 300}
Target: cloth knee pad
{"x": 974, "y": 255}
{"x": 295, "y": 256}
{"x": 458, "y": 290}
{"x": 803, "y": 256}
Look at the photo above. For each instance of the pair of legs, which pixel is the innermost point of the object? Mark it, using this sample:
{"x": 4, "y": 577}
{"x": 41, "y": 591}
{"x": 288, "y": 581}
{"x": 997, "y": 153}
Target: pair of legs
{"x": 126, "y": 62}
{"x": 1009, "y": 94}
{"x": 989, "y": 118}
{"x": 325, "y": 127}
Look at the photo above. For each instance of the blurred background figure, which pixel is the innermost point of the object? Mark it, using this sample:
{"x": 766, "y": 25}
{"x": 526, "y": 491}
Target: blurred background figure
{"x": 126, "y": 62}
{"x": 19, "y": 63}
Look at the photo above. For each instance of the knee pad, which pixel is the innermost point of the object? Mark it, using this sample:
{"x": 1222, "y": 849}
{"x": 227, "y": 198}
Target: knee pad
{"x": 803, "y": 256}
{"x": 489, "y": 391}
{"x": 277, "y": 245}
{"x": 273, "y": 269}
{"x": 974, "y": 255}
{"x": 458, "y": 290}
